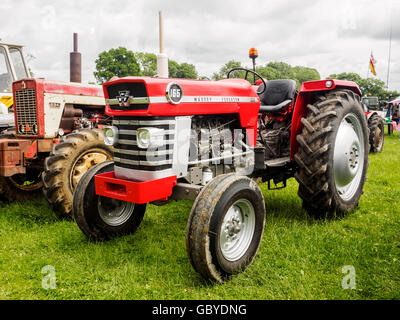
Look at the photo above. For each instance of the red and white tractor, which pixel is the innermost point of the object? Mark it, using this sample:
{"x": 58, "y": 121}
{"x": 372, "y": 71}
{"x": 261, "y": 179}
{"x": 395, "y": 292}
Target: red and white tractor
{"x": 213, "y": 142}
{"x": 57, "y": 137}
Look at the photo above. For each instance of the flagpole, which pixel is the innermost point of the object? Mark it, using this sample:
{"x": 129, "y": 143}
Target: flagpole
{"x": 368, "y": 65}
{"x": 390, "y": 49}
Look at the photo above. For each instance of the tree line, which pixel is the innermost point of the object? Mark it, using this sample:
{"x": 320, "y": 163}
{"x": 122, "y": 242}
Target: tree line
{"x": 122, "y": 62}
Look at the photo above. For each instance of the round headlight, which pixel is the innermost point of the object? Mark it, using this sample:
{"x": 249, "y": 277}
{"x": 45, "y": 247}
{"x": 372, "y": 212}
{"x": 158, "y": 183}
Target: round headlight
{"x": 143, "y": 138}
{"x": 110, "y": 135}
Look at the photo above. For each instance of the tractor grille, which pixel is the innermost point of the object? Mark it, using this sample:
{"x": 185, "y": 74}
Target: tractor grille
{"x": 128, "y": 155}
{"x": 133, "y": 89}
{"x": 25, "y": 108}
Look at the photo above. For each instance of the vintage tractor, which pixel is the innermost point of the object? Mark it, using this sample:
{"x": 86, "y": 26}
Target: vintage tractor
{"x": 213, "y": 142}
{"x": 57, "y": 137}
{"x": 12, "y": 68}
{"x": 376, "y": 123}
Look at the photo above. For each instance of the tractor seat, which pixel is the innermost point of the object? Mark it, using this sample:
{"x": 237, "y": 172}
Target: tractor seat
{"x": 277, "y": 95}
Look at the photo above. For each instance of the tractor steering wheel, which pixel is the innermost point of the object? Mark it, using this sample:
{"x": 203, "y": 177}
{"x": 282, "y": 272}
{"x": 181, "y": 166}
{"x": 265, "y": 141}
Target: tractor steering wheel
{"x": 247, "y": 73}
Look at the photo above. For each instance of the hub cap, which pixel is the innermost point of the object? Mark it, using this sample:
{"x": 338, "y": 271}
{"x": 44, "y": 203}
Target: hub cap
{"x": 114, "y": 212}
{"x": 348, "y": 159}
{"x": 83, "y": 164}
{"x": 237, "y": 230}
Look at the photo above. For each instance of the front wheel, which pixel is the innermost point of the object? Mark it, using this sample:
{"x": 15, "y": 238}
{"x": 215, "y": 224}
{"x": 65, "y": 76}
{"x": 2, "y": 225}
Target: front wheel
{"x": 101, "y": 218}
{"x": 225, "y": 226}
{"x": 333, "y": 154}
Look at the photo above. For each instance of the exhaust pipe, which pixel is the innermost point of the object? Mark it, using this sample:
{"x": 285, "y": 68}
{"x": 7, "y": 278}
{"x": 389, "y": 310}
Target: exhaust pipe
{"x": 75, "y": 63}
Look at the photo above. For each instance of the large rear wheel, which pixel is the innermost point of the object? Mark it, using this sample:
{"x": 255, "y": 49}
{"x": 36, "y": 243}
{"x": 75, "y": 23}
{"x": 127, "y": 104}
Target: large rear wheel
{"x": 333, "y": 154}
{"x": 67, "y": 163}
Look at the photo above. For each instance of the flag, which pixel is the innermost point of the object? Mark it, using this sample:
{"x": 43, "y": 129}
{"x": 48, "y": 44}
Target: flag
{"x": 372, "y": 63}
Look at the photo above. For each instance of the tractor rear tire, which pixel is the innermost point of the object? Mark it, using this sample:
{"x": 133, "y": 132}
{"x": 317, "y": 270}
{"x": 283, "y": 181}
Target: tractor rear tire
{"x": 67, "y": 163}
{"x": 19, "y": 187}
{"x": 102, "y": 218}
{"x": 376, "y": 125}
{"x": 225, "y": 226}
{"x": 333, "y": 152}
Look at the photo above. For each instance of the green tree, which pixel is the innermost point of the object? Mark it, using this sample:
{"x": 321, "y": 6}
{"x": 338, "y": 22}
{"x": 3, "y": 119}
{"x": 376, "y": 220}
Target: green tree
{"x": 187, "y": 71}
{"x": 147, "y": 63}
{"x": 119, "y": 62}
{"x": 303, "y": 74}
{"x": 223, "y": 71}
{"x": 369, "y": 87}
{"x": 283, "y": 70}
{"x": 173, "y": 68}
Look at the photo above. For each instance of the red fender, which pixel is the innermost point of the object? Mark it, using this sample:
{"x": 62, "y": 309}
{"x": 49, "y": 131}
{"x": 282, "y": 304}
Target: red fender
{"x": 305, "y": 96}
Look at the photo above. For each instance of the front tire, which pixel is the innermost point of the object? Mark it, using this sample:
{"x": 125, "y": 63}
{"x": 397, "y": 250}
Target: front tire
{"x": 102, "y": 218}
{"x": 225, "y": 226}
{"x": 333, "y": 154}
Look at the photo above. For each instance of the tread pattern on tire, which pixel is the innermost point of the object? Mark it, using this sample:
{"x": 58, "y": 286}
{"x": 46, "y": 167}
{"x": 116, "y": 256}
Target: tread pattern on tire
{"x": 197, "y": 240}
{"x": 374, "y": 122}
{"x": 55, "y": 188}
{"x": 312, "y": 157}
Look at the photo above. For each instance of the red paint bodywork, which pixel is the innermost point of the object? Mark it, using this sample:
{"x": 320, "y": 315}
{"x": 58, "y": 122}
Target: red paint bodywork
{"x": 156, "y": 87}
{"x": 43, "y": 86}
{"x": 132, "y": 191}
{"x": 15, "y": 153}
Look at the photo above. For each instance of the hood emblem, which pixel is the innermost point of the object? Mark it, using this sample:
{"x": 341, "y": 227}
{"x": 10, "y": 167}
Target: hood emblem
{"x": 124, "y": 98}
{"x": 174, "y": 93}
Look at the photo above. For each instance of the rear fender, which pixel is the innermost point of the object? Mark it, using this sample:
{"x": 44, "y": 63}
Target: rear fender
{"x": 307, "y": 92}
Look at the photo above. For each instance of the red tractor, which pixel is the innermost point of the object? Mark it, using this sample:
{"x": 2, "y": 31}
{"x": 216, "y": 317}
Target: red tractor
{"x": 213, "y": 142}
{"x": 56, "y": 139}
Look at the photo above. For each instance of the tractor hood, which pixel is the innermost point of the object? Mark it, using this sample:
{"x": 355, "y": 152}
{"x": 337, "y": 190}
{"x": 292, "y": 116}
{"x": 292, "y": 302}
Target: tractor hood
{"x": 152, "y": 96}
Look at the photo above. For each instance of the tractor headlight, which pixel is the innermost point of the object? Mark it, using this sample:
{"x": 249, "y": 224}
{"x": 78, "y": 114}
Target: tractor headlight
{"x": 110, "y": 135}
{"x": 150, "y": 137}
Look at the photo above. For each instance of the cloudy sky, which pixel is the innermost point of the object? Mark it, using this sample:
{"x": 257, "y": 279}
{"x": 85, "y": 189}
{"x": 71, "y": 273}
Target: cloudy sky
{"x": 331, "y": 36}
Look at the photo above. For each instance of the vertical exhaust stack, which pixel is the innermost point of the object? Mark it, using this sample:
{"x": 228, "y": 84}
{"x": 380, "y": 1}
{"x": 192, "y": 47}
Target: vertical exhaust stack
{"x": 75, "y": 63}
{"x": 162, "y": 58}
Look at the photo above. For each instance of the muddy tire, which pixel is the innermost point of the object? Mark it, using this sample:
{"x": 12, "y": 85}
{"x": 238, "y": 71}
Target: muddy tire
{"x": 67, "y": 163}
{"x": 332, "y": 157}
{"x": 225, "y": 226}
{"x": 102, "y": 218}
{"x": 19, "y": 187}
{"x": 376, "y": 125}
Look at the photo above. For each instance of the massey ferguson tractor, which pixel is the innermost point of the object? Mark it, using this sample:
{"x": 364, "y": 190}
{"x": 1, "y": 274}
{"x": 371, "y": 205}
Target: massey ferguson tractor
{"x": 214, "y": 142}
{"x": 376, "y": 123}
{"x": 57, "y": 137}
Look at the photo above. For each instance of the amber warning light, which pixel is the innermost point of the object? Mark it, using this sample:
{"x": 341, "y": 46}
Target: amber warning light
{"x": 253, "y": 53}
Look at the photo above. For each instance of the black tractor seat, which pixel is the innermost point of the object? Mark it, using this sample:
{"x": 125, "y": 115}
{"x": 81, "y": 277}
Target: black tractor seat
{"x": 277, "y": 95}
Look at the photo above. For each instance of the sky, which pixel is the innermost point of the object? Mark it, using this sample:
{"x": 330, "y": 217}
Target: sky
{"x": 330, "y": 36}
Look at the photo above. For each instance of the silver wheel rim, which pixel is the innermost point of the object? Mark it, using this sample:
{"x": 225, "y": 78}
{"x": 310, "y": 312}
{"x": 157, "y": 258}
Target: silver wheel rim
{"x": 348, "y": 158}
{"x": 114, "y": 212}
{"x": 237, "y": 230}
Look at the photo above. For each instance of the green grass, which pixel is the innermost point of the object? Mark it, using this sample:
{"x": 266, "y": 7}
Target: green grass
{"x": 299, "y": 258}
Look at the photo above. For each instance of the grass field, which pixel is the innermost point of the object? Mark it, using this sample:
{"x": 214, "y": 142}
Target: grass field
{"x": 299, "y": 258}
